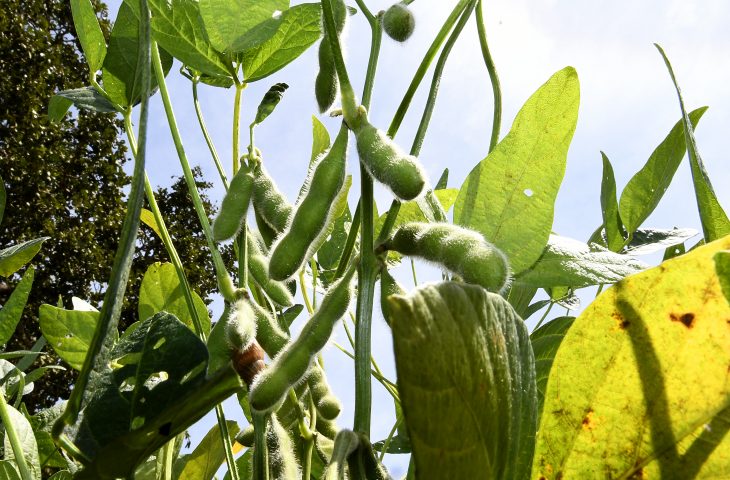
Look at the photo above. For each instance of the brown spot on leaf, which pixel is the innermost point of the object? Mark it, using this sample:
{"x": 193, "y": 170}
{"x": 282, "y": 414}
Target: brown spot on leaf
{"x": 638, "y": 475}
{"x": 588, "y": 420}
{"x": 686, "y": 319}
{"x": 622, "y": 322}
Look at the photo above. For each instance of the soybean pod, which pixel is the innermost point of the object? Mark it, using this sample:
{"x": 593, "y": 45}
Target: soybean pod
{"x": 399, "y": 22}
{"x": 313, "y": 212}
{"x": 290, "y": 366}
{"x": 282, "y": 461}
{"x": 327, "y": 405}
{"x": 326, "y": 85}
{"x": 462, "y": 251}
{"x": 234, "y": 206}
{"x": 269, "y": 204}
{"x": 258, "y": 266}
{"x": 387, "y": 163}
{"x": 268, "y": 332}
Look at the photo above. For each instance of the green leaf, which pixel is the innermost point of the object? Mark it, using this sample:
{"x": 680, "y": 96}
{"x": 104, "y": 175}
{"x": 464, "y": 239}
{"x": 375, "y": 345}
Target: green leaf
{"x": 509, "y": 196}
{"x": 120, "y": 72}
{"x": 227, "y": 21}
{"x": 69, "y": 332}
{"x": 443, "y": 180}
{"x": 209, "y": 455}
{"x": 219, "y": 350}
{"x": 161, "y": 291}
{"x": 646, "y": 188}
{"x": 412, "y": 212}
{"x": 8, "y": 471}
{"x": 472, "y": 412}
{"x": 650, "y": 240}
{"x": 42, "y": 423}
{"x": 299, "y": 29}
{"x": 13, "y": 309}
{"x": 13, "y": 258}
{"x": 339, "y": 206}
{"x": 609, "y": 207}
{"x": 638, "y": 388}
{"x": 568, "y": 262}
{"x": 152, "y": 387}
{"x": 3, "y": 199}
{"x": 288, "y": 316}
{"x": 61, "y": 475}
{"x": 148, "y": 218}
{"x": 270, "y": 101}
{"x": 28, "y": 445}
{"x": 178, "y": 28}
{"x": 545, "y": 343}
{"x": 85, "y": 98}
{"x": 399, "y": 444}
{"x": 715, "y": 223}
{"x": 89, "y": 33}
{"x": 722, "y": 265}
{"x": 328, "y": 255}
{"x": 320, "y": 139}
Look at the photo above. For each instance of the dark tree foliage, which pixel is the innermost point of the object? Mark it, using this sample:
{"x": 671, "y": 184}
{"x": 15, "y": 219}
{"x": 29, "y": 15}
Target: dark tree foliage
{"x": 66, "y": 181}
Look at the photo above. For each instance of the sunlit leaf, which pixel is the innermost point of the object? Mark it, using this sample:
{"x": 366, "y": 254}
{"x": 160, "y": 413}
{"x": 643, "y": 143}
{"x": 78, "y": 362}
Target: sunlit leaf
{"x": 228, "y": 21}
{"x": 638, "y": 388}
{"x": 609, "y": 207}
{"x": 650, "y": 240}
{"x": 85, "y": 98}
{"x": 69, "y": 332}
{"x": 89, "y": 33}
{"x": 13, "y": 258}
{"x": 545, "y": 342}
{"x": 722, "y": 264}
{"x": 467, "y": 382}
{"x": 8, "y": 471}
{"x": 568, "y": 262}
{"x": 209, "y": 455}
{"x": 510, "y": 196}
{"x": 12, "y": 310}
{"x": 24, "y": 431}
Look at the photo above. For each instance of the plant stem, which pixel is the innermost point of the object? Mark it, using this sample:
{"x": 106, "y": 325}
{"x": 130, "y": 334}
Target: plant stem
{"x": 13, "y": 439}
{"x": 241, "y": 239}
{"x": 206, "y": 135}
{"x": 225, "y": 285}
{"x": 349, "y": 244}
{"x": 260, "y": 452}
{"x": 544, "y": 316}
{"x": 237, "y": 125}
{"x": 168, "y": 452}
{"x": 114, "y": 296}
{"x": 496, "y": 89}
{"x": 366, "y": 11}
{"x": 305, "y": 295}
{"x": 386, "y": 444}
{"x": 309, "y": 439}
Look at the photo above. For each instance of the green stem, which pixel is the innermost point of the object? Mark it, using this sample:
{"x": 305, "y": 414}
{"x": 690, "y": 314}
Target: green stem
{"x": 496, "y": 90}
{"x": 386, "y": 444}
{"x": 544, "y": 316}
{"x": 13, "y": 439}
{"x": 305, "y": 295}
{"x": 375, "y": 42}
{"x": 366, "y": 11}
{"x": 313, "y": 267}
{"x": 260, "y": 452}
{"x": 206, "y": 135}
{"x": 225, "y": 285}
{"x": 423, "y": 67}
{"x": 113, "y": 299}
{"x": 237, "y": 125}
{"x": 349, "y": 104}
{"x": 309, "y": 440}
{"x": 168, "y": 456}
{"x": 349, "y": 244}
{"x": 241, "y": 240}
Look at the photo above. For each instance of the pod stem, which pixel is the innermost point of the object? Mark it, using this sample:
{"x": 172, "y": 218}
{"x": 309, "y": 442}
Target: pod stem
{"x": 349, "y": 244}
{"x": 260, "y": 452}
{"x": 114, "y": 296}
{"x": 206, "y": 135}
{"x": 224, "y": 281}
{"x": 225, "y": 284}
{"x": 493, "y": 77}
{"x": 241, "y": 240}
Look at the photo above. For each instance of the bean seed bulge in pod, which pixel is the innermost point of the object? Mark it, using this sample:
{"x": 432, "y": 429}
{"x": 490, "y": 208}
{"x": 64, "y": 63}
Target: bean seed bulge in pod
{"x": 399, "y": 22}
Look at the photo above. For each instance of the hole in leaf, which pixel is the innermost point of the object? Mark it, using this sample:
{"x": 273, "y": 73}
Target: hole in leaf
{"x": 193, "y": 372}
{"x": 137, "y": 422}
{"x": 127, "y": 385}
{"x": 165, "y": 429}
{"x": 528, "y": 192}
{"x": 155, "y": 379}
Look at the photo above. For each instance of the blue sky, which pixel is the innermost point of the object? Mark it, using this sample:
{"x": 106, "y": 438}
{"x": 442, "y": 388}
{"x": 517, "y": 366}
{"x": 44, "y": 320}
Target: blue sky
{"x": 628, "y": 105}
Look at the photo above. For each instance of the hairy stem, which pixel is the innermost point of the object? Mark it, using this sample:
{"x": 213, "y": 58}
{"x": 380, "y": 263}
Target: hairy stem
{"x": 12, "y": 438}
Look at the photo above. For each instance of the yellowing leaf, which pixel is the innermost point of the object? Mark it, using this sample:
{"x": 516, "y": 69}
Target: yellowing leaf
{"x": 639, "y": 387}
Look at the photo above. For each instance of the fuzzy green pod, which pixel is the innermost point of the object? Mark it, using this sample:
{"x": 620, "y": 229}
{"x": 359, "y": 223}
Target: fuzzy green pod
{"x": 313, "y": 212}
{"x": 268, "y": 202}
{"x": 292, "y": 363}
{"x": 387, "y": 163}
{"x": 399, "y": 22}
{"x": 258, "y": 266}
{"x": 326, "y": 85}
{"x": 346, "y": 443}
{"x": 268, "y": 333}
{"x": 234, "y": 206}
{"x": 328, "y": 428}
{"x": 246, "y": 436}
{"x": 328, "y": 406}
{"x": 388, "y": 286}
{"x": 282, "y": 460}
{"x": 461, "y": 251}
{"x": 240, "y": 326}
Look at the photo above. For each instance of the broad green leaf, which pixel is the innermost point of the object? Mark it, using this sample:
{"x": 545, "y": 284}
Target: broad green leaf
{"x": 28, "y": 445}
{"x": 269, "y": 102}
{"x": 13, "y": 258}
{"x": 647, "y": 187}
{"x": 219, "y": 350}
{"x": 61, "y": 475}
{"x": 3, "y": 199}
{"x": 298, "y": 30}
{"x": 722, "y": 265}
{"x": 69, "y": 332}
{"x": 519, "y": 297}
{"x": 639, "y": 386}
{"x": 545, "y": 342}
{"x": 328, "y": 255}
{"x": 120, "y": 72}
{"x": 152, "y": 387}
{"x": 209, "y": 455}
{"x": 320, "y": 139}
{"x": 412, "y": 212}
{"x": 568, "y": 262}
{"x": 11, "y": 312}
{"x": 509, "y": 196}
{"x": 340, "y": 204}
{"x": 650, "y": 240}
{"x": 227, "y": 21}
{"x": 609, "y": 207}
{"x": 89, "y": 33}
{"x": 161, "y": 291}
{"x": 472, "y": 412}
{"x": 8, "y": 470}
{"x": 398, "y": 445}
{"x": 85, "y": 97}
{"x": 178, "y": 28}
{"x": 42, "y": 422}
{"x": 674, "y": 251}
{"x": 12, "y": 380}
{"x": 715, "y": 223}
{"x": 443, "y": 180}
{"x": 148, "y": 218}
